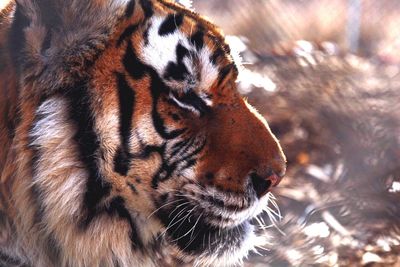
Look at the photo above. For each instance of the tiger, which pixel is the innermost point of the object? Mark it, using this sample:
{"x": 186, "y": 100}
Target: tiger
{"x": 124, "y": 140}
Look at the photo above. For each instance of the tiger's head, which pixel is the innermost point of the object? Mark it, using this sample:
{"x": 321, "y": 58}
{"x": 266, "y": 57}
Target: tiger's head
{"x": 137, "y": 133}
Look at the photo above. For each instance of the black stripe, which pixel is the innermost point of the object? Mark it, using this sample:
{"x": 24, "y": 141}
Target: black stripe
{"x": 164, "y": 173}
{"x": 133, "y": 64}
{"x": 88, "y": 142}
{"x": 170, "y": 24}
{"x": 117, "y": 207}
{"x": 127, "y": 33}
{"x": 223, "y": 73}
{"x": 147, "y": 7}
{"x": 219, "y": 52}
{"x": 189, "y": 164}
{"x": 130, "y": 8}
{"x": 192, "y": 154}
{"x": 184, "y": 149}
{"x": 126, "y": 96}
{"x": 122, "y": 160}
{"x": 133, "y": 188}
{"x": 148, "y": 149}
{"x": 197, "y": 39}
{"x": 16, "y": 37}
{"x": 167, "y": 169}
{"x": 146, "y": 34}
{"x": 179, "y": 146}
{"x": 53, "y": 249}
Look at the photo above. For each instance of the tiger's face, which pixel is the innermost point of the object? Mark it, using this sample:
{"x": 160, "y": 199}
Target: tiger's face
{"x": 200, "y": 160}
{"x": 132, "y": 133}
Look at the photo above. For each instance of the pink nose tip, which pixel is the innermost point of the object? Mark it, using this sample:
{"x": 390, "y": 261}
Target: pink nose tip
{"x": 262, "y": 185}
{"x": 275, "y": 179}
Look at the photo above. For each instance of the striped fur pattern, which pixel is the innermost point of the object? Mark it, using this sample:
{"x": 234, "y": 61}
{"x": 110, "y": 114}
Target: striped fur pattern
{"x": 123, "y": 138}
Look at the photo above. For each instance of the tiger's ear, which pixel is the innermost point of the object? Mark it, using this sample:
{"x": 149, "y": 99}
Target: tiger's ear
{"x": 53, "y": 41}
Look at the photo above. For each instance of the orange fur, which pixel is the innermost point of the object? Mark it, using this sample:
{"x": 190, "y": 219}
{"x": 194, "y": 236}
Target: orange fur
{"x": 83, "y": 183}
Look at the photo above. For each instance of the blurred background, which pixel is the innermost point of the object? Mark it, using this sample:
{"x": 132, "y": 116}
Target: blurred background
{"x": 326, "y": 75}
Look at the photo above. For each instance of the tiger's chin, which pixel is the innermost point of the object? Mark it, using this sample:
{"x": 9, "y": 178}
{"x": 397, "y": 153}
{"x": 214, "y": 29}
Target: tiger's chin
{"x": 197, "y": 242}
{"x": 208, "y": 229}
{"x": 222, "y": 247}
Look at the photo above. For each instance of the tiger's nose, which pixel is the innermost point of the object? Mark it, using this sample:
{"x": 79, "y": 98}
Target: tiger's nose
{"x": 263, "y": 183}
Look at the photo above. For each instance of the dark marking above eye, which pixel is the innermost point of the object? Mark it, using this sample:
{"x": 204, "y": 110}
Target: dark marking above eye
{"x": 177, "y": 71}
{"x": 130, "y": 8}
{"x": 197, "y": 39}
{"x": 170, "y": 24}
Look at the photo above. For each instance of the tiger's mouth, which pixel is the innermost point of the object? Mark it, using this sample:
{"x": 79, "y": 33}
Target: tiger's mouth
{"x": 211, "y": 224}
{"x": 189, "y": 228}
